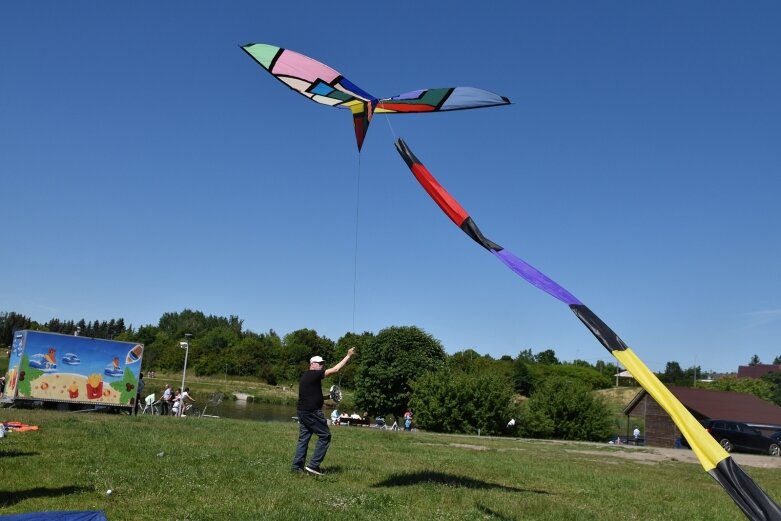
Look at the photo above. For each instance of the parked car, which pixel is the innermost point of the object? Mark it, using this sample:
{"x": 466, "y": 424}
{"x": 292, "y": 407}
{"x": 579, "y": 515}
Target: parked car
{"x": 777, "y": 437}
{"x": 736, "y": 436}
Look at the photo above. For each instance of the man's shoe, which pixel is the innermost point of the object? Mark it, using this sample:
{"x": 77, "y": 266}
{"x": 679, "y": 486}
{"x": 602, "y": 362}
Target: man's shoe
{"x": 314, "y": 470}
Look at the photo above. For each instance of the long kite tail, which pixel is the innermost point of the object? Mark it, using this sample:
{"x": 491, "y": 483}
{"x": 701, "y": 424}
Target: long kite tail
{"x": 751, "y": 499}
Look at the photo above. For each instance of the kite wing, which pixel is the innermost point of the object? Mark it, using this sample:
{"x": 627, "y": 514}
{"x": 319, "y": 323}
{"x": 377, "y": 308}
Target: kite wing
{"x": 751, "y": 499}
{"x": 437, "y": 100}
{"x": 316, "y": 81}
{"x": 324, "y": 85}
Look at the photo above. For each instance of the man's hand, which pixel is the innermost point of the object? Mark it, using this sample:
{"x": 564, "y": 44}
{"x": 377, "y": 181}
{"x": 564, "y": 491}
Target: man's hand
{"x": 335, "y": 369}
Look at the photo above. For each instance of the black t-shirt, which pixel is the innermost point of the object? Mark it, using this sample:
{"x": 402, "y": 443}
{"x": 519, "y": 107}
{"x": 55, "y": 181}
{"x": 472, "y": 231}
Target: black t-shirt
{"x": 310, "y": 394}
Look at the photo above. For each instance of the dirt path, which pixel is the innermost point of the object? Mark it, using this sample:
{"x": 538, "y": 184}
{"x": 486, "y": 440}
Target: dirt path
{"x": 656, "y": 455}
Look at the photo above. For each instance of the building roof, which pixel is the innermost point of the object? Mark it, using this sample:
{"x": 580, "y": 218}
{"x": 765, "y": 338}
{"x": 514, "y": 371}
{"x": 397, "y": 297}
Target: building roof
{"x": 721, "y": 405}
{"x": 757, "y": 371}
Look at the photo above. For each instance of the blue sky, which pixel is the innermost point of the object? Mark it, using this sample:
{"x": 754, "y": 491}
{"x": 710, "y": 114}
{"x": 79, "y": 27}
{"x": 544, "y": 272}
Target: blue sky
{"x": 148, "y": 166}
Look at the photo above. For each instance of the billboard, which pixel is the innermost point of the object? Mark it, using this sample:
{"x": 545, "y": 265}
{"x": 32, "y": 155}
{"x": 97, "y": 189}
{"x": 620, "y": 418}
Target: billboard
{"x": 73, "y": 369}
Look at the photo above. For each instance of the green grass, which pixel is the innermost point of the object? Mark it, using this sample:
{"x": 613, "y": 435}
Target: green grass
{"x": 218, "y": 469}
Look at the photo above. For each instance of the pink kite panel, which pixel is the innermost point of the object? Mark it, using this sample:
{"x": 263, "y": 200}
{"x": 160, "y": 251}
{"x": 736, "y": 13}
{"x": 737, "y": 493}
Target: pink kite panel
{"x": 299, "y": 66}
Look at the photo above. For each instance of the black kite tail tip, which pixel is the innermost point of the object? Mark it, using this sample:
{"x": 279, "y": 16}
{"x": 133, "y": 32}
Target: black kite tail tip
{"x": 406, "y": 153}
{"x": 752, "y": 500}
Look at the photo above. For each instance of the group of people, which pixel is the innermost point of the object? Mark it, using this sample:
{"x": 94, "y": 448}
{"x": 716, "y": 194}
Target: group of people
{"x": 343, "y": 418}
{"x": 173, "y": 403}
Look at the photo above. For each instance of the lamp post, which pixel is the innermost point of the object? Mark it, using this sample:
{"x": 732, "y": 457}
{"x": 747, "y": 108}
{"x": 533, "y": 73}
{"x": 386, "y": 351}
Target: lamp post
{"x": 186, "y": 346}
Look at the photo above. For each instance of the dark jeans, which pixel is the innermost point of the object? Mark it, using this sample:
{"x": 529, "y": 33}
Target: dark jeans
{"x": 311, "y": 422}
{"x": 163, "y": 407}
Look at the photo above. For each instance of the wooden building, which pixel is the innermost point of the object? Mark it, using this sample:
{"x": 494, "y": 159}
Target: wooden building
{"x": 660, "y": 431}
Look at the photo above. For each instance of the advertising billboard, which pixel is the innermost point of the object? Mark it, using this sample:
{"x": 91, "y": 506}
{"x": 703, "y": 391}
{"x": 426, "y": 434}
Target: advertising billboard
{"x": 74, "y": 369}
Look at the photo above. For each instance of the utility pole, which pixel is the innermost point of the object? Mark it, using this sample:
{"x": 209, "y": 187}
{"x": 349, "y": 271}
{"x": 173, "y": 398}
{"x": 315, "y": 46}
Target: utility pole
{"x": 186, "y": 346}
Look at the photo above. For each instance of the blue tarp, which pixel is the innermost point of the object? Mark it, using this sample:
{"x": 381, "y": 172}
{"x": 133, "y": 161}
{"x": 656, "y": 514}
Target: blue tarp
{"x": 73, "y": 515}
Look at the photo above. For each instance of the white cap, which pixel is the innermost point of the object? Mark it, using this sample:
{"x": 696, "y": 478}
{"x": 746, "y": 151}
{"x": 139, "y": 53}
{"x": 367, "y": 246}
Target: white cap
{"x": 318, "y": 359}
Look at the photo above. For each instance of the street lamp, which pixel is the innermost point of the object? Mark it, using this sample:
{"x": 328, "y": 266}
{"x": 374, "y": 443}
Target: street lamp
{"x": 186, "y": 346}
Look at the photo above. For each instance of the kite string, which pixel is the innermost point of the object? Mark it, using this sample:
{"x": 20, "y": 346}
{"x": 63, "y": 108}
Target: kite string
{"x": 355, "y": 249}
{"x": 357, "y": 218}
{"x": 387, "y": 119}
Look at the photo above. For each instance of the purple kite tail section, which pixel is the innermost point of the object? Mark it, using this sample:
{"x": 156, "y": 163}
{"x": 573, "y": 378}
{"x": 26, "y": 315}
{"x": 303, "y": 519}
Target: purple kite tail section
{"x": 535, "y": 277}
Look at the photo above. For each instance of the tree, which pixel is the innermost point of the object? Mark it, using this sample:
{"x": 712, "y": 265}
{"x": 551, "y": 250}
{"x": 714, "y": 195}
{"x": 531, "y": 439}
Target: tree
{"x": 254, "y": 355}
{"x": 146, "y": 335}
{"x": 562, "y": 408}
{"x": 10, "y": 322}
{"x": 774, "y": 379}
{"x": 754, "y": 360}
{"x": 606, "y": 368}
{"x": 176, "y": 325}
{"x": 389, "y": 364}
{"x": 690, "y": 375}
{"x": 547, "y": 357}
{"x": 208, "y": 353}
{"x": 777, "y": 360}
{"x": 522, "y": 378}
{"x": 672, "y": 373}
{"x": 301, "y": 345}
{"x": 346, "y": 377}
{"x": 527, "y": 356}
{"x": 449, "y": 400}
{"x": 759, "y": 387}
{"x": 591, "y": 377}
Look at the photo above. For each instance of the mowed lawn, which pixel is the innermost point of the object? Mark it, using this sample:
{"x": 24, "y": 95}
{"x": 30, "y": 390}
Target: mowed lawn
{"x": 215, "y": 469}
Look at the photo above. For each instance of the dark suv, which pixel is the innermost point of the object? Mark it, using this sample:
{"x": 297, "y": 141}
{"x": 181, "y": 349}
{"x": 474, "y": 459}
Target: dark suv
{"x": 740, "y": 437}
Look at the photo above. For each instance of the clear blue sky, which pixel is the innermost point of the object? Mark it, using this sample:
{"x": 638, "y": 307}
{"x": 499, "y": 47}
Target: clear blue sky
{"x": 148, "y": 166}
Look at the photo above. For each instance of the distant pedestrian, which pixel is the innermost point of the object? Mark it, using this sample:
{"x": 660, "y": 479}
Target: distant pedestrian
{"x": 636, "y": 433}
{"x": 165, "y": 400}
{"x": 408, "y": 420}
{"x": 139, "y": 391}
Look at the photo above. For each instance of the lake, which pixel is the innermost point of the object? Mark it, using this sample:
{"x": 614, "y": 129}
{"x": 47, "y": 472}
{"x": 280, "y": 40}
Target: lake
{"x": 258, "y": 411}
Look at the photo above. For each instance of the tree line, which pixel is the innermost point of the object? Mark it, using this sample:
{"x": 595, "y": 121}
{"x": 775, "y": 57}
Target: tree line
{"x": 396, "y": 368}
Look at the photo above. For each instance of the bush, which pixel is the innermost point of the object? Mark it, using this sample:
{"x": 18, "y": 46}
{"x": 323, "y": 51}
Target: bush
{"x": 562, "y": 408}
{"x": 389, "y": 363}
{"x": 454, "y": 402}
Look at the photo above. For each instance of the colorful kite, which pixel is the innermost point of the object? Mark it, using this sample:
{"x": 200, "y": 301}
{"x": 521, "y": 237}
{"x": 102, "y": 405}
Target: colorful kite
{"x": 717, "y": 462}
{"x": 322, "y": 84}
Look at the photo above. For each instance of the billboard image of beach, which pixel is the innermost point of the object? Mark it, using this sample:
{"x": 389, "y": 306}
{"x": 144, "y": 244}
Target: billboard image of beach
{"x": 64, "y": 368}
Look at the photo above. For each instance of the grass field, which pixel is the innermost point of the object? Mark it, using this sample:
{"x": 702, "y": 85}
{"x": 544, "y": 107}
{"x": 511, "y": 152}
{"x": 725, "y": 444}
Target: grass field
{"x": 215, "y": 469}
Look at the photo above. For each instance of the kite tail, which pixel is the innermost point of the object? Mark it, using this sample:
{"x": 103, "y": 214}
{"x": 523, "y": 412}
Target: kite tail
{"x": 751, "y": 499}
{"x": 746, "y": 494}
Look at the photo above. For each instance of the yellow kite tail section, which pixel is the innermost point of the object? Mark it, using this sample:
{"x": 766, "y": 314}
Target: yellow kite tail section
{"x": 751, "y": 499}
{"x": 714, "y": 459}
